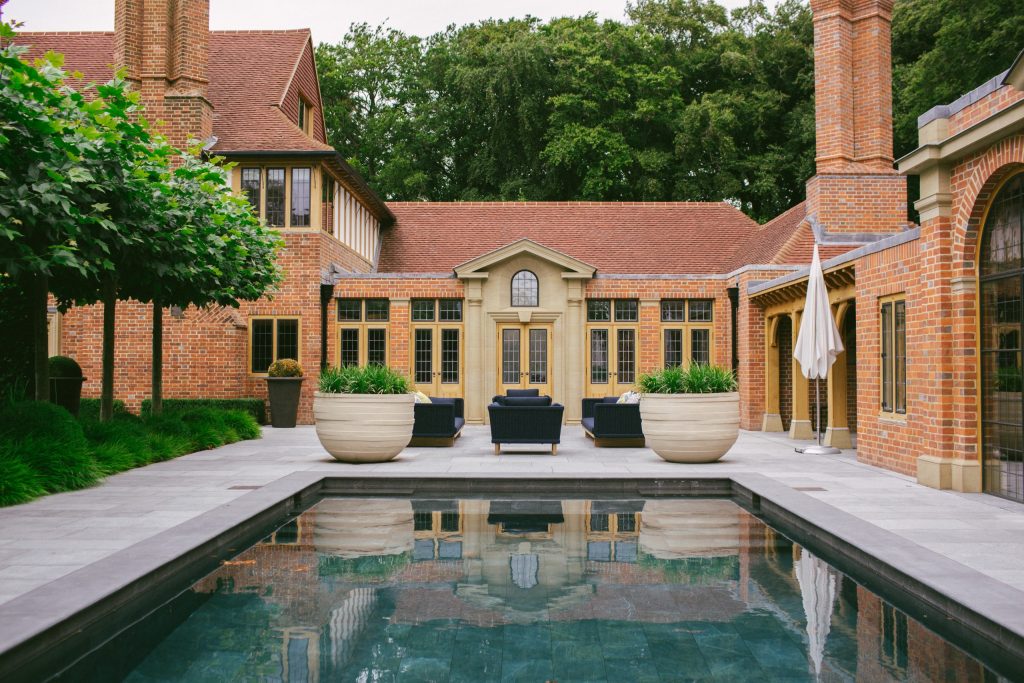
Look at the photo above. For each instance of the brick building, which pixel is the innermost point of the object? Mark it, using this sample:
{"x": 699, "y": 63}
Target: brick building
{"x": 576, "y": 298}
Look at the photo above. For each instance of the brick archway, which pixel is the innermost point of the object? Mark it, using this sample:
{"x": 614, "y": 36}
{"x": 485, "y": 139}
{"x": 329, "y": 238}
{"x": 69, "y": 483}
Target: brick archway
{"x": 975, "y": 185}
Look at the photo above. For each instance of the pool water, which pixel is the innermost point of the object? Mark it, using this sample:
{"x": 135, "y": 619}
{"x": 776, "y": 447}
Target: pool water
{"x": 572, "y": 590}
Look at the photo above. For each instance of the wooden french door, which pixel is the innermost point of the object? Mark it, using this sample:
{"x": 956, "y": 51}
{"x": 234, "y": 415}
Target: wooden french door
{"x": 524, "y": 358}
{"x": 611, "y": 359}
{"x": 437, "y": 360}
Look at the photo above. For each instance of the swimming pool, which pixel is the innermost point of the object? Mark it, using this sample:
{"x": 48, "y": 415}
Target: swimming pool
{"x": 480, "y": 589}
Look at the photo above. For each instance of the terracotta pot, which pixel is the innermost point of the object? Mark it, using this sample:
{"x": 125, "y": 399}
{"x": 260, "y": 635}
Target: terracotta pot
{"x": 284, "y": 394}
{"x": 363, "y": 427}
{"x": 690, "y": 427}
{"x": 67, "y": 393}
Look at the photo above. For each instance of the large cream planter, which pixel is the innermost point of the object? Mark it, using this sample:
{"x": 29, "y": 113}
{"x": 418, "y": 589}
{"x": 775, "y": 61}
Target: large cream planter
{"x": 363, "y": 427}
{"x": 690, "y": 427}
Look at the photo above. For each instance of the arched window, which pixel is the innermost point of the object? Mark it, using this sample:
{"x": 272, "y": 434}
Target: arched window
{"x": 1001, "y": 275}
{"x": 525, "y": 290}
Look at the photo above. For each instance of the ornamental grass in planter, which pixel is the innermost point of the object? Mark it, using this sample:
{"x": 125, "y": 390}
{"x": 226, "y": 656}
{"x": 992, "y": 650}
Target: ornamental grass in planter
{"x": 284, "y": 389}
{"x": 690, "y": 414}
{"x": 363, "y": 413}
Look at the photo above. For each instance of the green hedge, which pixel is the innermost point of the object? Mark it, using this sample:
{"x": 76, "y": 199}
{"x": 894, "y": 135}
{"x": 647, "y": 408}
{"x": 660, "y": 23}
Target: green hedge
{"x": 253, "y": 406}
{"x": 44, "y": 449}
{"x": 90, "y": 408}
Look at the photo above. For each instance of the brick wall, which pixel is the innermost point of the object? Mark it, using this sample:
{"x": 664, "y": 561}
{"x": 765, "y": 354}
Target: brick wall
{"x": 984, "y": 108}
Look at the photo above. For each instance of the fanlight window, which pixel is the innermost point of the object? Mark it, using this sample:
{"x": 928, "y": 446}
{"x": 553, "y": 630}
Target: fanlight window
{"x": 525, "y": 290}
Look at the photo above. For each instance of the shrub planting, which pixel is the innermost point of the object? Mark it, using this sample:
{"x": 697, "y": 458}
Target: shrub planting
{"x": 286, "y": 367}
{"x": 254, "y": 406}
{"x": 44, "y": 449}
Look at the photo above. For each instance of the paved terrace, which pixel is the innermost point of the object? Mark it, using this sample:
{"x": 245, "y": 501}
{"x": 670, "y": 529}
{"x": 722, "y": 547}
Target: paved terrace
{"x": 54, "y": 536}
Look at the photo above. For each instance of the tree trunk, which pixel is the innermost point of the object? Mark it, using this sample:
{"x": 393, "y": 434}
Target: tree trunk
{"x": 109, "y": 313}
{"x": 157, "y": 399}
{"x": 38, "y": 287}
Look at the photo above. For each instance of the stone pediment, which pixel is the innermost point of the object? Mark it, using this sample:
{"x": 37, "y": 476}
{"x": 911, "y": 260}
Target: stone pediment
{"x": 478, "y": 267}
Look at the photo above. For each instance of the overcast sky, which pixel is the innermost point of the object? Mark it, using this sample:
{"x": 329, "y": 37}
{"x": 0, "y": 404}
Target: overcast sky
{"x": 329, "y": 19}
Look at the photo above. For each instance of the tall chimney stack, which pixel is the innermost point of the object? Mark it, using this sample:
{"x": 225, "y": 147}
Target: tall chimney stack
{"x": 164, "y": 47}
{"x": 856, "y": 189}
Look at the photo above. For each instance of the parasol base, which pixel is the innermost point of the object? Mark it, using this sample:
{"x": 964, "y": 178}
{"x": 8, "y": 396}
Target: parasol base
{"x": 818, "y": 450}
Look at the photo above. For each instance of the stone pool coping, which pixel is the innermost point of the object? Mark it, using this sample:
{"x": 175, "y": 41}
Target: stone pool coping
{"x": 80, "y": 611}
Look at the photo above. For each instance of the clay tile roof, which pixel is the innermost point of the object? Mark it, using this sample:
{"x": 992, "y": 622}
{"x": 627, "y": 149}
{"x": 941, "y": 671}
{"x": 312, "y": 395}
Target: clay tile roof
{"x": 615, "y": 237}
{"x": 786, "y": 239}
{"x": 249, "y": 74}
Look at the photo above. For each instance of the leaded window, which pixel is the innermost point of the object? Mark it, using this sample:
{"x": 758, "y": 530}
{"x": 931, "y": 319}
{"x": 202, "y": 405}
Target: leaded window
{"x": 700, "y": 346}
{"x": 525, "y": 289}
{"x": 422, "y": 310}
{"x": 673, "y": 310}
{"x": 673, "y": 348}
{"x": 599, "y": 310}
{"x": 449, "y": 356}
{"x": 348, "y": 346}
{"x": 350, "y": 310}
{"x": 423, "y": 356}
{"x": 275, "y": 197}
{"x": 272, "y": 339}
{"x": 251, "y": 180}
{"x": 376, "y": 346}
{"x": 700, "y": 310}
{"x": 377, "y": 310}
{"x": 450, "y": 310}
{"x": 300, "y": 197}
{"x": 627, "y": 310}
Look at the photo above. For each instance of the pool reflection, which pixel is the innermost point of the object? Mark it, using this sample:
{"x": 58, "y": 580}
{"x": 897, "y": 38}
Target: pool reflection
{"x": 437, "y": 590}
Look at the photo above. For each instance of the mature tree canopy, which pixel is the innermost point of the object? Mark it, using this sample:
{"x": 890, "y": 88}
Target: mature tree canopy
{"x": 684, "y": 101}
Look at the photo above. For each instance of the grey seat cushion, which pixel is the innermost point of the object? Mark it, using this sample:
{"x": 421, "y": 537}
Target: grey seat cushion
{"x": 588, "y": 424}
{"x": 459, "y": 423}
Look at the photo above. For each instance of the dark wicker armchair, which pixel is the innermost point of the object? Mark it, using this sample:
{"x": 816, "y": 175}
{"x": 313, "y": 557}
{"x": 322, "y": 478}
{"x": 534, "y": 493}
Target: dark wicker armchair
{"x": 610, "y": 423}
{"x": 517, "y": 420}
{"x": 438, "y": 423}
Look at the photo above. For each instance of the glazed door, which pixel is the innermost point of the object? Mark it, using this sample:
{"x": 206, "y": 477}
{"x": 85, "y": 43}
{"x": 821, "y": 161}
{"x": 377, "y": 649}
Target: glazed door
{"x": 611, "y": 359}
{"x": 524, "y": 358}
{"x": 437, "y": 360}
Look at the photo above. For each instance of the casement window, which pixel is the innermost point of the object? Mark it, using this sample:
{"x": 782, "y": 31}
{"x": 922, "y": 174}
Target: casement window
{"x": 251, "y": 187}
{"x": 272, "y": 339}
{"x": 363, "y": 332}
{"x": 430, "y": 310}
{"x": 622, "y": 310}
{"x": 894, "y": 355}
{"x": 525, "y": 289}
{"x": 300, "y": 197}
{"x": 686, "y": 331}
{"x": 305, "y": 117}
{"x": 612, "y": 345}
{"x": 275, "y": 197}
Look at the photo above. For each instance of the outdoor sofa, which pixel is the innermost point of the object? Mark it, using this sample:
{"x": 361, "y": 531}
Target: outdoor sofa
{"x": 525, "y": 419}
{"x": 610, "y": 423}
{"x": 438, "y": 423}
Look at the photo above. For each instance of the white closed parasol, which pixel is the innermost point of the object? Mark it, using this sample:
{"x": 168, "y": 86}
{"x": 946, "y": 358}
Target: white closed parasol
{"x": 817, "y": 344}
{"x": 818, "y": 590}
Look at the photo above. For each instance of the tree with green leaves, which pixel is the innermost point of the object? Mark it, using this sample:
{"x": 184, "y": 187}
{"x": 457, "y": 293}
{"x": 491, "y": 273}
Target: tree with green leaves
{"x": 51, "y": 147}
{"x": 210, "y": 250}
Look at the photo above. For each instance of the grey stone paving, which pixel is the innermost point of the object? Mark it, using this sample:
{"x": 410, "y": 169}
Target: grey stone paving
{"x": 54, "y": 536}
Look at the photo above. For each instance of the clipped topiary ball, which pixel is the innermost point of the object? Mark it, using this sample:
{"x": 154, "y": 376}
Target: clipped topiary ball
{"x": 62, "y": 366}
{"x": 286, "y": 367}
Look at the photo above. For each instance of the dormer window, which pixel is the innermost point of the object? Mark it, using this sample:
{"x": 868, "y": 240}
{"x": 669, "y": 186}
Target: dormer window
{"x": 305, "y": 117}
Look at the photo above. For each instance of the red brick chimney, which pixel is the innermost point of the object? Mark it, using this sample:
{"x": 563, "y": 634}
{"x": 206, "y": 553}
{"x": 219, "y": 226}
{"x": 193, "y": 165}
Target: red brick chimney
{"x": 164, "y": 46}
{"x": 856, "y": 188}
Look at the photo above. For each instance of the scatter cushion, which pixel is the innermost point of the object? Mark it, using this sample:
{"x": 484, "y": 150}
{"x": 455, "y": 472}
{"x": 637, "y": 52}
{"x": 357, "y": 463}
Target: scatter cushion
{"x": 421, "y": 397}
{"x": 630, "y": 397}
{"x": 523, "y": 401}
